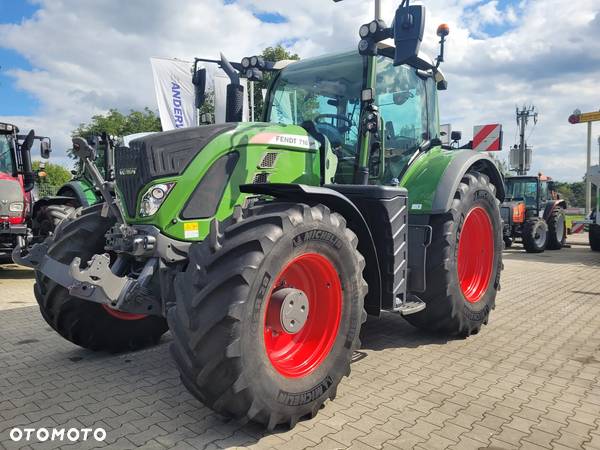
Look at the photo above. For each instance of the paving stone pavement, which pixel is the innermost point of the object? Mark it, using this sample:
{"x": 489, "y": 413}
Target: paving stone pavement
{"x": 530, "y": 379}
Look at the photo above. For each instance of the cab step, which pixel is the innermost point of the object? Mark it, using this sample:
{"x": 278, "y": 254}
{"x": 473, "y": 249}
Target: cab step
{"x": 412, "y": 305}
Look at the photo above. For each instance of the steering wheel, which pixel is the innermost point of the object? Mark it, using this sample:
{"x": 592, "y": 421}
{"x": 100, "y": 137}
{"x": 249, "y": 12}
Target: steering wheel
{"x": 339, "y": 117}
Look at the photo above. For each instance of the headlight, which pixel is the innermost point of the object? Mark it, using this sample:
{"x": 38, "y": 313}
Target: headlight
{"x": 16, "y": 207}
{"x": 364, "y": 31}
{"x": 153, "y": 198}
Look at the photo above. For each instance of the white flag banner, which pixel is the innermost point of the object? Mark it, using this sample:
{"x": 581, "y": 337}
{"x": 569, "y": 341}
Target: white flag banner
{"x": 174, "y": 92}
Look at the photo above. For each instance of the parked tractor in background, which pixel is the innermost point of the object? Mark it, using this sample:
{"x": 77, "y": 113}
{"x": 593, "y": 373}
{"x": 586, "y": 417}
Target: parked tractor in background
{"x": 23, "y": 218}
{"x": 82, "y": 188}
{"x": 262, "y": 246}
{"x": 534, "y": 213}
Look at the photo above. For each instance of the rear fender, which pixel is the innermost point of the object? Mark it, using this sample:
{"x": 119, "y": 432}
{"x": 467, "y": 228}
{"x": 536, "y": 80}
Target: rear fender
{"x": 551, "y": 207}
{"x": 356, "y": 222}
{"x": 84, "y": 192}
{"x": 433, "y": 179}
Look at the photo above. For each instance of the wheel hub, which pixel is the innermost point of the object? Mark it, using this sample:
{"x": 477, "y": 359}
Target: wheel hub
{"x": 293, "y": 309}
{"x": 303, "y": 314}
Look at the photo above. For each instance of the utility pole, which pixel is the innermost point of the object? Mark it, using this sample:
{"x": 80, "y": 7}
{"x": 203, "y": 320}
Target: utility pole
{"x": 521, "y": 157}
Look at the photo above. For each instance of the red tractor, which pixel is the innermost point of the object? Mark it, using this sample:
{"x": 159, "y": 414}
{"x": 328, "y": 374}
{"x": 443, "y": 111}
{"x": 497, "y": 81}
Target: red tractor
{"x": 22, "y": 219}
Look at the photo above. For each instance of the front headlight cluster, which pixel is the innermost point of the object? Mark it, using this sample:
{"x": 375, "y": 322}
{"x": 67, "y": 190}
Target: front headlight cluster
{"x": 153, "y": 198}
{"x": 16, "y": 207}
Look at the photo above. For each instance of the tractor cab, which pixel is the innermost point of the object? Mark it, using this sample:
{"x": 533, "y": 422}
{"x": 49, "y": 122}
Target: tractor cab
{"x": 327, "y": 93}
{"x": 534, "y": 191}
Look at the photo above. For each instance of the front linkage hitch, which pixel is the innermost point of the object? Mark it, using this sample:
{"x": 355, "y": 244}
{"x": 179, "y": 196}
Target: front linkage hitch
{"x": 99, "y": 281}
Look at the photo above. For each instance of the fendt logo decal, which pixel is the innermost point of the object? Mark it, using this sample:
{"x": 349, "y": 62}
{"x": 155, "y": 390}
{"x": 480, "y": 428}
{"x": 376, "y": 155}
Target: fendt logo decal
{"x": 285, "y": 140}
{"x": 127, "y": 171}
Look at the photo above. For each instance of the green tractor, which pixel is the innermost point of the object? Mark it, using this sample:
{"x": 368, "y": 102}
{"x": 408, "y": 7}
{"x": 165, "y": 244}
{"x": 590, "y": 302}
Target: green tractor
{"x": 263, "y": 246}
{"x": 82, "y": 188}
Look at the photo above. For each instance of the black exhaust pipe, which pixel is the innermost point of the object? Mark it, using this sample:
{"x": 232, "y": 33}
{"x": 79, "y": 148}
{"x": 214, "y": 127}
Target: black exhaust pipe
{"x": 235, "y": 93}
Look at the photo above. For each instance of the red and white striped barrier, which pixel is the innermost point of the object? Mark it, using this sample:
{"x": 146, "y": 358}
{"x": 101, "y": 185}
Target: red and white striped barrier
{"x": 487, "y": 138}
{"x": 577, "y": 228}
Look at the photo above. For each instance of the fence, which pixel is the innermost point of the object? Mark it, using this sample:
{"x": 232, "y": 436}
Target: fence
{"x": 45, "y": 190}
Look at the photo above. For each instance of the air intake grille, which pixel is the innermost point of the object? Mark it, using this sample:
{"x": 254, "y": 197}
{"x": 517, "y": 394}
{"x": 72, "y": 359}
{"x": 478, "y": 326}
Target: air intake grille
{"x": 268, "y": 161}
{"x": 261, "y": 178}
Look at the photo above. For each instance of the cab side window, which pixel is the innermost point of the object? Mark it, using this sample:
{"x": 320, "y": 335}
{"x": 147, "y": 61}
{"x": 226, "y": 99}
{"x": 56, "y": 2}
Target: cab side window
{"x": 402, "y": 101}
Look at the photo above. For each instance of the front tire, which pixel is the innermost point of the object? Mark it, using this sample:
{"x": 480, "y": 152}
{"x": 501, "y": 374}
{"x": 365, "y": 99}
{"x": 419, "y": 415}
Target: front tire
{"x": 85, "y": 323}
{"x": 557, "y": 230}
{"x": 230, "y": 342}
{"x": 464, "y": 261}
{"x": 535, "y": 235}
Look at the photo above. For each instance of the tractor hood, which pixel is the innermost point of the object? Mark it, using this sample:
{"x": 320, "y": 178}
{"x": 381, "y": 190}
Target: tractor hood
{"x": 196, "y": 157}
{"x": 159, "y": 155}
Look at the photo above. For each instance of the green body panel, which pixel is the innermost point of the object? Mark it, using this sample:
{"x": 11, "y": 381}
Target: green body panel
{"x": 297, "y": 162}
{"x": 86, "y": 188}
{"x": 423, "y": 177}
{"x": 91, "y": 194}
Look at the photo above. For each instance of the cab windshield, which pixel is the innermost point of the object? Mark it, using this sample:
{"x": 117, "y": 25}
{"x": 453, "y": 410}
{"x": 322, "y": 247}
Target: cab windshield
{"x": 326, "y": 91}
{"x": 6, "y": 158}
{"x": 525, "y": 189}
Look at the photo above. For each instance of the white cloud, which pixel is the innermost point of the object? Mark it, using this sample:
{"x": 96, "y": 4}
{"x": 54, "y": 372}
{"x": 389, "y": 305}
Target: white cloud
{"x": 90, "y": 56}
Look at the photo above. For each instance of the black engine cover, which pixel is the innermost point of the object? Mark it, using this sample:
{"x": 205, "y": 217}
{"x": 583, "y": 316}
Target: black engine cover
{"x": 159, "y": 155}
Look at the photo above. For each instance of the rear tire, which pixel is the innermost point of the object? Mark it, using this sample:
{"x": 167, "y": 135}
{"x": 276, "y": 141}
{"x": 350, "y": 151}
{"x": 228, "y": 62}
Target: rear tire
{"x": 594, "y": 237}
{"x": 227, "y": 353}
{"x": 535, "y": 235}
{"x": 49, "y": 217}
{"x": 461, "y": 305}
{"x": 557, "y": 230}
{"x": 85, "y": 323}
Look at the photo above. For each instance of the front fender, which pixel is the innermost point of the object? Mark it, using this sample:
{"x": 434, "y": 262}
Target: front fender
{"x": 434, "y": 177}
{"x": 356, "y": 222}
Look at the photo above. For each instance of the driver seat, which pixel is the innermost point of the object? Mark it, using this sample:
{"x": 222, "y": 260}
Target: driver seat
{"x": 390, "y": 132}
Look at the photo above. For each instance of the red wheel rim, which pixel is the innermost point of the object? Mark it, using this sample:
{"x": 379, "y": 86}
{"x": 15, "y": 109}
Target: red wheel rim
{"x": 475, "y": 254}
{"x": 297, "y": 355}
{"x": 123, "y": 315}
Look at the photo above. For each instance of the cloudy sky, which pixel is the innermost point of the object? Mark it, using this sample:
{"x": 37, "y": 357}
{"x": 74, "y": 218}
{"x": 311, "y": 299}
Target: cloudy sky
{"x": 63, "y": 61}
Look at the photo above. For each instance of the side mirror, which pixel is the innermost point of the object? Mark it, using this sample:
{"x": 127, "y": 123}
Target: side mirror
{"x": 409, "y": 26}
{"x": 199, "y": 82}
{"x": 456, "y": 136}
{"x": 28, "y": 174}
{"x": 45, "y": 148}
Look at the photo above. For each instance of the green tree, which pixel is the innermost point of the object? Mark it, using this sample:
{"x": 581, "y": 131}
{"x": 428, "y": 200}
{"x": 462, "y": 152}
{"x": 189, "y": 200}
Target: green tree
{"x": 274, "y": 54}
{"x": 116, "y": 123}
{"x": 54, "y": 176}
